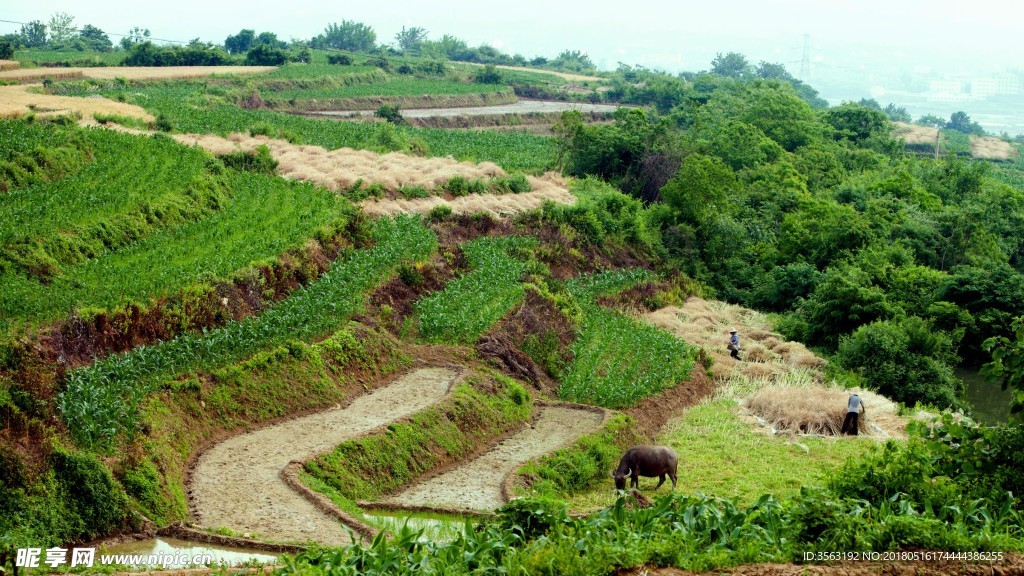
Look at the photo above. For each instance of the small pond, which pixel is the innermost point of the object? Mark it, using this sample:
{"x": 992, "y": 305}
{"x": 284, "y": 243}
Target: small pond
{"x": 991, "y": 403}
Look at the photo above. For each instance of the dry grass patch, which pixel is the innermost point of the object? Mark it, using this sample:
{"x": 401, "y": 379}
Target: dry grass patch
{"x": 17, "y": 101}
{"x": 802, "y": 410}
{"x": 342, "y": 168}
{"x": 991, "y": 148}
{"x": 495, "y": 205}
{"x": 9, "y": 65}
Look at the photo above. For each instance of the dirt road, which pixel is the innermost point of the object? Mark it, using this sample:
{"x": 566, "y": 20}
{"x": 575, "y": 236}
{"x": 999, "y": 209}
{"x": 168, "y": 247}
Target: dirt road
{"x": 476, "y": 485}
{"x": 236, "y": 484}
{"x": 520, "y": 107}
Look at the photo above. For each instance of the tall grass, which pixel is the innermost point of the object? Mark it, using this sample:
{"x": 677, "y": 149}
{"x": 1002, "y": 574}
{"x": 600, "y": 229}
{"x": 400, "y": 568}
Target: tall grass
{"x": 471, "y": 304}
{"x": 101, "y": 401}
{"x": 620, "y": 360}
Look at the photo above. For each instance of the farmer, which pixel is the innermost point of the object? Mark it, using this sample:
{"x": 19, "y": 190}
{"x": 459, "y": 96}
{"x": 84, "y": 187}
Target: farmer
{"x": 854, "y": 408}
{"x": 734, "y": 344}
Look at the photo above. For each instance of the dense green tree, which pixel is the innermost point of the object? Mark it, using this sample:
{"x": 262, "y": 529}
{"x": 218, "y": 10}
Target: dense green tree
{"x": 906, "y": 360}
{"x": 1007, "y": 363}
{"x": 33, "y": 34}
{"x": 264, "y": 55}
{"x": 770, "y": 71}
{"x": 701, "y": 188}
{"x": 572, "y": 61}
{"x": 731, "y": 65}
{"x": 411, "y": 39}
{"x": 240, "y": 43}
{"x": 61, "y": 29}
{"x": 269, "y": 39}
{"x": 95, "y": 39}
{"x": 961, "y": 122}
{"x": 776, "y": 109}
{"x": 6, "y": 50}
{"x": 931, "y": 120}
{"x": 843, "y": 300}
{"x": 135, "y": 36}
{"x": 348, "y": 35}
{"x": 856, "y": 122}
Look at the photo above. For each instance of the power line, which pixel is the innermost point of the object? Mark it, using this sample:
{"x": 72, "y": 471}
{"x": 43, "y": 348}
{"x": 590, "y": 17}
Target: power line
{"x": 79, "y": 30}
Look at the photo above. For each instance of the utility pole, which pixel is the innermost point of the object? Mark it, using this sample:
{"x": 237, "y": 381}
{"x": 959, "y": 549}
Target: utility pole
{"x": 805, "y": 62}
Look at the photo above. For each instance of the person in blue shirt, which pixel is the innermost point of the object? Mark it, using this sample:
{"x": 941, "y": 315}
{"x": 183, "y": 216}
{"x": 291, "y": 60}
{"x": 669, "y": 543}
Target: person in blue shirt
{"x": 734, "y": 344}
{"x": 854, "y": 408}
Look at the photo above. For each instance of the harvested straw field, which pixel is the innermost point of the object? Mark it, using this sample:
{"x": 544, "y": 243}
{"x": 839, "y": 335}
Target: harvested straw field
{"x": 496, "y": 205}
{"x": 19, "y": 100}
{"x": 780, "y": 385}
{"x": 342, "y": 168}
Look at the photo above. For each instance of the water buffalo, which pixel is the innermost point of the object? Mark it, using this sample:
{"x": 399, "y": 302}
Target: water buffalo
{"x": 647, "y": 461}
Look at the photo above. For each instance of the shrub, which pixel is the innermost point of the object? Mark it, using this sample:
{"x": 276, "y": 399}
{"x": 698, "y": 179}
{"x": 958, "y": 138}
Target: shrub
{"x": 264, "y": 55}
{"x": 488, "y": 75}
{"x": 339, "y": 59}
{"x": 457, "y": 185}
{"x": 258, "y": 160}
{"x": 440, "y": 213}
{"x": 391, "y": 113}
{"x": 532, "y": 517}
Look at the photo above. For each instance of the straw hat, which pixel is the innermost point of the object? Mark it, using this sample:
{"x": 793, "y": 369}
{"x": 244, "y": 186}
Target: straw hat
{"x": 732, "y": 330}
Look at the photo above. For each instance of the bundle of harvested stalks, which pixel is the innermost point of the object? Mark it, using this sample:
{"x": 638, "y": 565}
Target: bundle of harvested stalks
{"x": 803, "y": 410}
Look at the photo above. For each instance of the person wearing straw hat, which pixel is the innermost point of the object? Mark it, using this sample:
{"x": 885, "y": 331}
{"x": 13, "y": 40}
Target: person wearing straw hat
{"x": 734, "y": 344}
{"x": 854, "y": 408}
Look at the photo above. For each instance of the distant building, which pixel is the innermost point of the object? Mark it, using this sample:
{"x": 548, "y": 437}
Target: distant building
{"x": 947, "y": 91}
{"x": 1004, "y": 84}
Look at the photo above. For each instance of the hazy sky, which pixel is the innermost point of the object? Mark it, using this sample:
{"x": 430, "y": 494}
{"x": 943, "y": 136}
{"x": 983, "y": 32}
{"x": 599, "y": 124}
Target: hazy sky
{"x": 669, "y": 35}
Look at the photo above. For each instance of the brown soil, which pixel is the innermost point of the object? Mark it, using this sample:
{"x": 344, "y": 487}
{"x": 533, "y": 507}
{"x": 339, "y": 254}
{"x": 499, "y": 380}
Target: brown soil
{"x": 511, "y": 360}
{"x": 236, "y": 483}
{"x": 1013, "y": 564}
{"x": 536, "y": 316}
{"x": 652, "y": 413}
{"x": 477, "y": 484}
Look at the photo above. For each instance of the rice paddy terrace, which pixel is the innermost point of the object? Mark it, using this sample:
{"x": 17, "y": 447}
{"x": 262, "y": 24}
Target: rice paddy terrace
{"x": 215, "y": 312}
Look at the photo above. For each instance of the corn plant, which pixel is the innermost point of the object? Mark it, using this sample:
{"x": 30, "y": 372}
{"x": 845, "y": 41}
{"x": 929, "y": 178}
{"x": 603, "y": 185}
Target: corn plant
{"x": 471, "y": 304}
{"x": 101, "y": 401}
{"x": 620, "y": 360}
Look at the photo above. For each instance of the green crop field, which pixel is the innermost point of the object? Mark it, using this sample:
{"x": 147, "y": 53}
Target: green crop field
{"x": 100, "y": 401}
{"x": 397, "y": 86}
{"x": 126, "y": 171}
{"x": 196, "y": 108}
{"x": 264, "y": 218}
{"x": 620, "y": 360}
{"x": 470, "y": 305}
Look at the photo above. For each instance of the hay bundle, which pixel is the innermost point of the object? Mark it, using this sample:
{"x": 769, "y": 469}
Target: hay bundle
{"x": 803, "y": 410}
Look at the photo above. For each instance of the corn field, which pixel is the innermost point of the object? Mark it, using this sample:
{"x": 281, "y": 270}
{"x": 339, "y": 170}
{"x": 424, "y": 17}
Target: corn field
{"x": 101, "y": 401}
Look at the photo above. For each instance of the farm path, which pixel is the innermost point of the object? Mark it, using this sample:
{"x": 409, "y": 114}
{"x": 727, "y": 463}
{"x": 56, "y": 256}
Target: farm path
{"x": 236, "y": 483}
{"x": 476, "y": 485}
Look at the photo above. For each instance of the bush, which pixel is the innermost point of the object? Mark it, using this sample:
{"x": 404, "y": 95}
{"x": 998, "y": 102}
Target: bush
{"x": 391, "y": 113}
{"x": 488, "y": 75}
{"x": 457, "y": 185}
{"x": 906, "y": 360}
{"x": 339, "y": 59}
{"x": 259, "y": 161}
{"x": 532, "y": 517}
{"x": 440, "y": 213}
{"x": 264, "y": 55}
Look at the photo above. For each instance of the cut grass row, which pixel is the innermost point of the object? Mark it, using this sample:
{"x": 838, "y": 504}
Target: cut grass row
{"x": 620, "y": 360}
{"x": 265, "y": 218}
{"x": 101, "y": 401}
{"x": 197, "y": 108}
{"x": 471, "y": 304}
